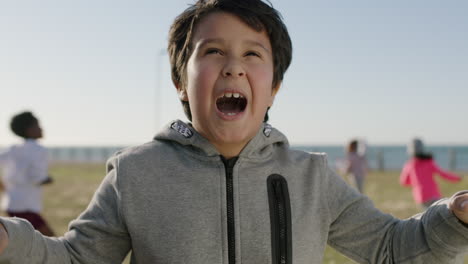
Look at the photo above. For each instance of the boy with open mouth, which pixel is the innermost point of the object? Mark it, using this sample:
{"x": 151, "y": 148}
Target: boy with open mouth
{"x": 227, "y": 188}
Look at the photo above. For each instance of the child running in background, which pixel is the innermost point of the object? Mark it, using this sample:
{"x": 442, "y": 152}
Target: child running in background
{"x": 25, "y": 170}
{"x": 355, "y": 166}
{"x": 418, "y": 172}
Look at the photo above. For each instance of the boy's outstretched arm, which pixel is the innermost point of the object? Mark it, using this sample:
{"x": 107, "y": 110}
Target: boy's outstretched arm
{"x": 98, "y": 235}
{"x": 363, "y": 233}
{"x": 459, "y": 206}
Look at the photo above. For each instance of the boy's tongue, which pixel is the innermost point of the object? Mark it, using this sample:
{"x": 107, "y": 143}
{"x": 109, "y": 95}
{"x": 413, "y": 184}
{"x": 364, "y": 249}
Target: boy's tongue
{"x": 231, "y": 105}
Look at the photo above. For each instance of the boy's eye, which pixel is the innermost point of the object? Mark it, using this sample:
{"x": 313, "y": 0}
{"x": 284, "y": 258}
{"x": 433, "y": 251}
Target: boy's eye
{"x": 252, "y": 53}
{"x": 213, "y": 51}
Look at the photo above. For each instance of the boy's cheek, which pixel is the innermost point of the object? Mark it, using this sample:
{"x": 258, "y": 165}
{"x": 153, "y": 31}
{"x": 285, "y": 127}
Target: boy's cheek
{"x": 260, "y": 73}
{"x": 200, "y": 72}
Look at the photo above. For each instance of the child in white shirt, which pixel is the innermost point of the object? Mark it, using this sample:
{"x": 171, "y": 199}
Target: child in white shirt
{"x": 25, "y": 170}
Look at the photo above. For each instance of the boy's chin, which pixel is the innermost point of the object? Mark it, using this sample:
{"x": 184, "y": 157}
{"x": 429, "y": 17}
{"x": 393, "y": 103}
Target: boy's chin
{"x": 236, "y": 137}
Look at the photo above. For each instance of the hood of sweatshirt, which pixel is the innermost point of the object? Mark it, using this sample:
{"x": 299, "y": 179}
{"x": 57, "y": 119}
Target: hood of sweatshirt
{"x": 259, "y": 147}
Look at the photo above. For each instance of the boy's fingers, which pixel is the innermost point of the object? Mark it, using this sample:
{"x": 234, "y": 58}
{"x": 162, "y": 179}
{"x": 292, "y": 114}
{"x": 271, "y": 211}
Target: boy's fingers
{"x": 459, "y": 205}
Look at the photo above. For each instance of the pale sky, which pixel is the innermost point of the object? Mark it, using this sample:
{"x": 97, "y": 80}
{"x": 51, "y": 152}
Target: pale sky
{"x": 95, "y": 72}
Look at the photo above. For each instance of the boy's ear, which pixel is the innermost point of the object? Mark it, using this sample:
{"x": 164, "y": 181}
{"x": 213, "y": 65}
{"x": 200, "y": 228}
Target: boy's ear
{"x": 273, "y": 93}
{"x": 181, "y": 92}
{"x": 276, "y": 89}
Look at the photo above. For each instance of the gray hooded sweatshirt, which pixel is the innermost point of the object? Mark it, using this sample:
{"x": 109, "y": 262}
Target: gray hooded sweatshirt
{"x": 176, "y": 200}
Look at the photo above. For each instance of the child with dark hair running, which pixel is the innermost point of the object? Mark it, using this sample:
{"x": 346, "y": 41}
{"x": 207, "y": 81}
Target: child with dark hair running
{"x": 419, "y": 171}
{"x": 226, "y": 187}
{"x": 25, "y": 171}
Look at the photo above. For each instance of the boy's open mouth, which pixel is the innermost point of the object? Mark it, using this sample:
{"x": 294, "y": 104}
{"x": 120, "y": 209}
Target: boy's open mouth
{"x": 231, "y": 103}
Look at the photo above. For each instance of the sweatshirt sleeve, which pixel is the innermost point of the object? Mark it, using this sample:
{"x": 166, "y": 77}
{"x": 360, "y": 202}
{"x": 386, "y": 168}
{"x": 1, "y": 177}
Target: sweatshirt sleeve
{"x": 26, "y": 245}
{"x": 366, "y": 235}
{"x": 445, "y": 174}
{"x": 98, "y": 235}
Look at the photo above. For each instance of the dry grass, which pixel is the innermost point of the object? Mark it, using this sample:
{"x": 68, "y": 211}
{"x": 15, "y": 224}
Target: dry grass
{"x": 75, "y": 184}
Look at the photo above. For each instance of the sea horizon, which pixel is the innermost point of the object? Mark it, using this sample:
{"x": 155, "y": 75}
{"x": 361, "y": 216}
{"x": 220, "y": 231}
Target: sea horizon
{"x": 379, "y": 156}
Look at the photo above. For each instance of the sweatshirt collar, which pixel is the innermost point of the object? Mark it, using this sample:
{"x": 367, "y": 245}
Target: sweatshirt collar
{"x": 261, "y": 145}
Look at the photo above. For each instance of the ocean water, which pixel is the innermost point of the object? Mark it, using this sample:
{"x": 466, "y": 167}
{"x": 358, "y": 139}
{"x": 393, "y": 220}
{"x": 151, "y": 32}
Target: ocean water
{"x": 394, "y": 157}
{"x": 82, "y": 154}
{"x": 379, "y": 157}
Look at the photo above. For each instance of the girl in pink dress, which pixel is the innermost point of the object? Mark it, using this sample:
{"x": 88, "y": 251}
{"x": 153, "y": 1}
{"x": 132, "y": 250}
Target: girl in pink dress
{"x": 419, "y": 172}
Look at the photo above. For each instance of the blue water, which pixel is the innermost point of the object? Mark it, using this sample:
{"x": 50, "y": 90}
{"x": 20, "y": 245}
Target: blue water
{"x": 379, "y": 157}
{"x": 82, "y": 154}
{"x": 393, "y": 157}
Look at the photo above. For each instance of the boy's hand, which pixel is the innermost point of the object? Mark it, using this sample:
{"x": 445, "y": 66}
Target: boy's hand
{"x": 459, "y": 206}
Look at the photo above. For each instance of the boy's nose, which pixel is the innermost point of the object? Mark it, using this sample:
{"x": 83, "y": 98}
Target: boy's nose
{"x": 233, "y": 69}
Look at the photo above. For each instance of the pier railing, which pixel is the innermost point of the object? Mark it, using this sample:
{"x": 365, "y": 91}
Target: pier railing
{"x": 379, "y": 158}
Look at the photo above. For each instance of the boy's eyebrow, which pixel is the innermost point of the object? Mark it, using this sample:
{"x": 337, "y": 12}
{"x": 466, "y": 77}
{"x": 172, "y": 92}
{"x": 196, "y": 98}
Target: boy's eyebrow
{"x": 256, "y": 43}
{"x": 204, "y": 42}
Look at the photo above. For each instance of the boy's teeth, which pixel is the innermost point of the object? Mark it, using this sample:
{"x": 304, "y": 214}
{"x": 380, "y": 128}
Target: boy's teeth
{"x": 235, "y": 95}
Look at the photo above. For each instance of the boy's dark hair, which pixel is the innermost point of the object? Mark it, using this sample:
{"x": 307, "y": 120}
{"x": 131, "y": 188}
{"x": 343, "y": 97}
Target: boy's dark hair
{"x": 255, "y": 13}
{"x": 21, "y": 122}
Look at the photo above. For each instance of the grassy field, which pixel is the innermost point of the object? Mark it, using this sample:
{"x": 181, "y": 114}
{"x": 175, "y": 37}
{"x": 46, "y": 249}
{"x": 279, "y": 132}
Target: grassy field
{"x": 75, "y": 184}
